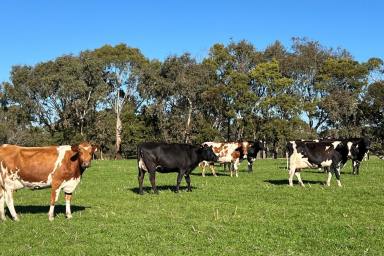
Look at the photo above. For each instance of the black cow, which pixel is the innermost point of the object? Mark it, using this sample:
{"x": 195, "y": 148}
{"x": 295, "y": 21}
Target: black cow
{"x": 163, "y": 157}
{"x": 315, "y": 155}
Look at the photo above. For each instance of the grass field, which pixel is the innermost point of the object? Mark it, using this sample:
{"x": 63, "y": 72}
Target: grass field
{"x": 255, "y": 214}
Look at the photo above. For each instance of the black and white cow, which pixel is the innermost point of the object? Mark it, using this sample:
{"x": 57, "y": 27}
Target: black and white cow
{"x": 315, "y": 155}
{"x": 253, "y": 150}
{"x": 358, "y": 149}
{"x": 163, "y": 157}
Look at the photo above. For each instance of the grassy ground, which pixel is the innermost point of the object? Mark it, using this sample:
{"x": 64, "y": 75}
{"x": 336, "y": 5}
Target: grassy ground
{"x": 255, "y": 214}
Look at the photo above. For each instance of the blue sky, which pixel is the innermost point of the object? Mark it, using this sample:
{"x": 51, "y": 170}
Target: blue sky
{"x": 35, "y": 31}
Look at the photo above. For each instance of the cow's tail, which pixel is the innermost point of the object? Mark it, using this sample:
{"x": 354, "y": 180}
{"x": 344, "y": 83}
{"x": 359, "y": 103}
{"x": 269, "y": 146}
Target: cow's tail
{"x": 139, "y": 157}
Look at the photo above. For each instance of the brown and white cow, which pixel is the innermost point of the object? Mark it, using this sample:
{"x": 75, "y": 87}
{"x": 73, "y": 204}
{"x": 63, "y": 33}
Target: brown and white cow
{"x": 58, "y": 167}
{"x": 228, "y": 152}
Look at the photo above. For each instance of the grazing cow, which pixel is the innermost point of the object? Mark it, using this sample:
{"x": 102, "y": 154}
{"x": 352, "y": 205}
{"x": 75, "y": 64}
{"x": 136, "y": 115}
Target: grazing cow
{"x": 317, "y": 154}
{"x": 228, "y": 152}
{"x": 163, "y": 157}
{"x": 58, "y": 167}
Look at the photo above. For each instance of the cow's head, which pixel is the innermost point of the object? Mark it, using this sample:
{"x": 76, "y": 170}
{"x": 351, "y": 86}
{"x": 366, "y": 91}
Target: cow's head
{"x": 83, "y": 153}
{"x": 207, "y": 153}
{"x": 254, "y": 148}
{"x": 358, "y": 149}
{"x": 245, "y": 145}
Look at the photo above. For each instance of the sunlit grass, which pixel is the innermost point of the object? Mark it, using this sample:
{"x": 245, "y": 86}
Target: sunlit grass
{"x": 255, "y": 214}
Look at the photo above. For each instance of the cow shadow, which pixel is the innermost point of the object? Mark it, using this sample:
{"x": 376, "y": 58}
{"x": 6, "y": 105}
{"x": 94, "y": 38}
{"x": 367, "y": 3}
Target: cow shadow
{"x": 37, "y": 209}
{"x": 295, "y": 182}
{"x": 148, "y": 189}
{"x": 210, "y": 174}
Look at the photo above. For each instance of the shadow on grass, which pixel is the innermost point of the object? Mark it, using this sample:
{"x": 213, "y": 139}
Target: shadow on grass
{"x": 161, "y": 188}
{"x": 210, "y": 174}
{"x": 35, "y": 209}
{"x": 295, "y": 182}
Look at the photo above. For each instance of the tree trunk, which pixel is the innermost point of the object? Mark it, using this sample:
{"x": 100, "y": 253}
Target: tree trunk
{"x": 187, "y": 135}
{"x": 119, "y": 129}
{"x": 228, "y": 129}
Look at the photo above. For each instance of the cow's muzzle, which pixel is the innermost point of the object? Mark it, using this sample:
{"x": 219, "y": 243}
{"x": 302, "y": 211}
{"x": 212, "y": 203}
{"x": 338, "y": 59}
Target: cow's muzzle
{"x": 85, "y": 165}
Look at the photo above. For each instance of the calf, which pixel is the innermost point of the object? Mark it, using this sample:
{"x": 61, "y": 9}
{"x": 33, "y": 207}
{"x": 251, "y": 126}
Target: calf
{"x": 315, "y": 155}
{"x": 58, "y": 167}
{"x": 163, "y": 157}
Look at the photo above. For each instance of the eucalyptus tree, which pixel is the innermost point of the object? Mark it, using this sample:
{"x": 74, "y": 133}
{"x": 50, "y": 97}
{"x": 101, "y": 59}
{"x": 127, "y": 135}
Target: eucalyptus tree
{"x": 230, "y": 93}
{"x": 121, "y": 65}
{"x": 61, "y": 95}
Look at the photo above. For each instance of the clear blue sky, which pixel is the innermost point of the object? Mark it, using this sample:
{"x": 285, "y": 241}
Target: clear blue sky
{"x": 35, "y": 31}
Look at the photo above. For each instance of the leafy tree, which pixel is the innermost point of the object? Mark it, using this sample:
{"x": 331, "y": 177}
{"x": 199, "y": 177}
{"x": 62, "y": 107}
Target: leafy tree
{"x": 122, "y": 73}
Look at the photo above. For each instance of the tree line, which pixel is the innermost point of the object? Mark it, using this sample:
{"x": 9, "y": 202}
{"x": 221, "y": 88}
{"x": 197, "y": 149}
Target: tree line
{"x": 117, "y": 97}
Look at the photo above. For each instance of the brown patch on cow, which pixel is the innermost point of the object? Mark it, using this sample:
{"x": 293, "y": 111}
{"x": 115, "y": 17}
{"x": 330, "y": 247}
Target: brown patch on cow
{"x": 235, "y": 154}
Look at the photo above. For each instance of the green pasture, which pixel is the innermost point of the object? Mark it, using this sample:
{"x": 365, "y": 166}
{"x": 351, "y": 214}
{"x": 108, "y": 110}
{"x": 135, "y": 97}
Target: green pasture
{"x": 255, "y": 214}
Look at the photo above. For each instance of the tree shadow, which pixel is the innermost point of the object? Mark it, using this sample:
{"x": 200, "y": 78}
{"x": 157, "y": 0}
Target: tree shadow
{"x": 148, "y": 189}
{"x": 295, "y": 182}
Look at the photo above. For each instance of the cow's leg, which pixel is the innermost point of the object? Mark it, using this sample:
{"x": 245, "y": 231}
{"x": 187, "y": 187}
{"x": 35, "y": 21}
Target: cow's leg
{"x": 188, "y": 180}
{"x": 355, "y": 167}
{"x": 203, "y": 169}
{"x": 236, "y": 167}
{"x": 2, "y": 200}
{"x": 328, "y": 182}
{"x": 152, "y": 179}
{"x": 337, "y": 174}
{"x": 68, "y": 197}
{"x": 179, "y": 178}
{"x": 250, "y": 165}
{"x": 55, "y": 190}
{"x": 290, "y": 176}
{"x": 8, "y": 193}
{"x": 299, "y": 178}
{"x": 212, "y": 167}
{"x": 140, "y": 178}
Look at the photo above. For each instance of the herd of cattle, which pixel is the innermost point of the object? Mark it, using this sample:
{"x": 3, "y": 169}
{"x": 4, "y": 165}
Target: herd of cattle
{"x": 61, "y": 167}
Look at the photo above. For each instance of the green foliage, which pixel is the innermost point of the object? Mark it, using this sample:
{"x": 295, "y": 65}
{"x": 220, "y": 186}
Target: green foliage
{"x": 116, "y": 97}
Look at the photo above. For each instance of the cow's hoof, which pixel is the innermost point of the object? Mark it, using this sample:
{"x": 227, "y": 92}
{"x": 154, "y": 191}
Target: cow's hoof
{"x": 141, "y": 193}
{"x": 69, "y": 216}
{"x": 16, "y": 218}
{"x": 50, "y": 218}
{"x": 2, "y": 218}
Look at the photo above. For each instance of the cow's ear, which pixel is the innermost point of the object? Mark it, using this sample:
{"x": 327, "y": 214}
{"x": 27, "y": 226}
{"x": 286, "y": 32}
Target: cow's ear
{"x": 75, "y": 152}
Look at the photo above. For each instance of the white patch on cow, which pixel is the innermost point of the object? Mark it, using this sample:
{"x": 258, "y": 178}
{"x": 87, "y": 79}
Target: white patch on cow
{"x": 355, "y": 163}
{"x": 349, "y": 145}
{"x": 326, "y": 163}
{"x": 61, "y": 153}
{"x": 142, "y": 165}
{"x": 336, "y": 143}
{"x": 86, "y": 148}
{"x": 327, "y": 147}
{"x": 338, "y": 183}
{"x": 69, "y": 185}
{"x": 12, "y": 180}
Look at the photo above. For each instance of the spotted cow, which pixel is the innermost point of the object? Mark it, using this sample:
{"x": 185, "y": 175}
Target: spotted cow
{"x": 228, "y": 152}
{"x": 315, "y": 155}
{"x": 57, "y": 167}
